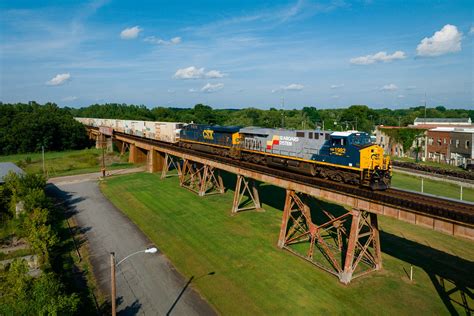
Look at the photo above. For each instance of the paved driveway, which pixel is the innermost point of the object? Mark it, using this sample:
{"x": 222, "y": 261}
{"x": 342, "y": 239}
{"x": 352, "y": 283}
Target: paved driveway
{"x": 147, "y": 284}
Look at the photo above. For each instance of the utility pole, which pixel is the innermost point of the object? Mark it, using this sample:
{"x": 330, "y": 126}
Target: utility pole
{"x": 104, "y": 144}
{"x": 282, "y": 111}
{"x": 425, "y": 107}
{"x": 42, "y": 151}
{"x": 112, "y": 277}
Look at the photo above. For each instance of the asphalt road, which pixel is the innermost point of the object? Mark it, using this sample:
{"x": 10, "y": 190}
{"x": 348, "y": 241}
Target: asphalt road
{"x": 147, "y": 284}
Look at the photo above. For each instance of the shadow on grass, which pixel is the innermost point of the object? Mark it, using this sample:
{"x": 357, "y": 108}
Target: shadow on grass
{"x": 448, "y": 273}
{"x": 452, "y": 276}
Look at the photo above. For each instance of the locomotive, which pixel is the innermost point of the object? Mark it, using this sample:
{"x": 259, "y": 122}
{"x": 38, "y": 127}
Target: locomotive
{"x": 348, "y": 157}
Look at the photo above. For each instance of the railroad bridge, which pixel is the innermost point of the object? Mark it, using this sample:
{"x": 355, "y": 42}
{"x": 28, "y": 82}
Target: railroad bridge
{"x": 344, "y": 243}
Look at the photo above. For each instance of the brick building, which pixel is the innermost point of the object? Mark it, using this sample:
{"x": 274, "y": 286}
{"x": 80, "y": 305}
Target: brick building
{"x": 461, "y": 146}
{"x": 439, "y": 140}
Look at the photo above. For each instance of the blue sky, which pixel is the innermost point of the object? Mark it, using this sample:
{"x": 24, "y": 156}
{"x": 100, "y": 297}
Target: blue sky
{"x": 234, "y": 54}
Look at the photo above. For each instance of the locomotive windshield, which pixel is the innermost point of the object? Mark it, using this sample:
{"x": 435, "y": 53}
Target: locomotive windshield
{"x": 361, "y": 139}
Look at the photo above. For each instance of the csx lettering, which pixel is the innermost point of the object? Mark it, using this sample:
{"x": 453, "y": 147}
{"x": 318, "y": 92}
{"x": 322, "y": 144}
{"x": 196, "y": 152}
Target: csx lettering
{"x": 208, "y": 134}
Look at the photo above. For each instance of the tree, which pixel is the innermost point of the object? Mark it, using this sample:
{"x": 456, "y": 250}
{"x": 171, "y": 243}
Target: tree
{"x": 21, "y": 294}
{"x": 40, "y": 236}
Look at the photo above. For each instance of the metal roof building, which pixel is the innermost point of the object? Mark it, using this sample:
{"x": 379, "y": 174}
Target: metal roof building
{"x": 6, "y": 167}
{"x": 443, "y": 121}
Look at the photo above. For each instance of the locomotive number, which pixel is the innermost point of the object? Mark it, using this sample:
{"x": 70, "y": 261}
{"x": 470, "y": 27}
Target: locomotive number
{"x": 337, "y": 151}
{"x": 208, "y": 134}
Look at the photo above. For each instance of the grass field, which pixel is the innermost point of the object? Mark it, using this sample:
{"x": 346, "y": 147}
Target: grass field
{"x": 251, "y": 275}
{"x": 68, "y": 162}
{"x": 440, "y": 188}
{"x": 430, "y": 163}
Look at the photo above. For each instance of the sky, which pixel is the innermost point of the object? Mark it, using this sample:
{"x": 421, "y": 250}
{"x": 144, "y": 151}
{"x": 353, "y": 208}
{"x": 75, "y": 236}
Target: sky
{"x": 237, "y": 54}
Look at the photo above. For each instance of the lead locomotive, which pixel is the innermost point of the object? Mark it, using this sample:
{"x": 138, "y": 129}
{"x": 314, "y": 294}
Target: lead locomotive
{"x": 348, "y": 157}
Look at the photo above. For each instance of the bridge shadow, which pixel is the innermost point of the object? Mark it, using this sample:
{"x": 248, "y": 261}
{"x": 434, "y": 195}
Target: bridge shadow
{"x": 451, "y": 276}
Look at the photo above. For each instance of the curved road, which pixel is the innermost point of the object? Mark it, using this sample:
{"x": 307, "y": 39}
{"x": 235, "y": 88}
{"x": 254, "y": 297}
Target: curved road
{"x": 147, "y": 284}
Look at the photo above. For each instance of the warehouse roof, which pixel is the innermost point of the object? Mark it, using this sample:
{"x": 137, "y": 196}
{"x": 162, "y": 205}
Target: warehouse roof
{"x": 421, "y": 120}
{"x": 6, "y": 167}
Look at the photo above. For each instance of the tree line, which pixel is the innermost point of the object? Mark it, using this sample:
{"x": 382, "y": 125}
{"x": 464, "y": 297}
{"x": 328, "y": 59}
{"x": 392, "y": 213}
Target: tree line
{"x": 359, "y": 117}
{"x": 28, "y": 127}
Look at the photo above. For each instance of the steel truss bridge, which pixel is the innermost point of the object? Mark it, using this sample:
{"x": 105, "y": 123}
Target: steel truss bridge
{"x": 345, "y": 243}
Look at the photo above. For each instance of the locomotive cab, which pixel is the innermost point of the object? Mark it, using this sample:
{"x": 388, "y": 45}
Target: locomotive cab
{"x": 355, "y": 149}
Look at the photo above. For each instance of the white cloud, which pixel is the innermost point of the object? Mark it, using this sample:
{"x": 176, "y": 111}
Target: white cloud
{"x": 389, "y": 87}
{"x": 176, "y": 40}
{"x": 335, "y": 96}
{"x": 189, "y": 73}
{"x": 337, "y": 86}
{"x": 130, "y": 33}
{"x": 290, "y": 87}
{"x": 59, "y": 79}
{"x": 447, "y": 40}
{"x": 294, "y": 87}
{"x": 471, "y": 30}
{"x": 214, "y": 74}
{"x": 378, "y": 57}
{"x": 400, "y": 96}
{"x": 209, "y": 88}
{"x": 197, "y": 73}
{"x": 192, "y": 90}
{"x": 69, "y": 99}
{"x": 159, "y": 41}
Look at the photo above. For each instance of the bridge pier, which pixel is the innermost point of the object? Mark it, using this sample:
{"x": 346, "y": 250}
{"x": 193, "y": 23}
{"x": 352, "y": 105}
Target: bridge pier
{"x": 155, "y": 161}
{"x": 242, "y": 186}
{"x": 136, "y": 154}
{"x": 200, "y": 178}
{"x": 102, "y": 141}
{"x": 170, "y": 162}
{"x": 348, "y": 243}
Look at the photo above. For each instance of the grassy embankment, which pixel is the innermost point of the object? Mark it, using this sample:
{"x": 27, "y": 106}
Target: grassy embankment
{"x": 68, "y": 162}
{"x": 253, "y": 276}
{"x": 429, "y": 163}
{"x": 435, "y": 187}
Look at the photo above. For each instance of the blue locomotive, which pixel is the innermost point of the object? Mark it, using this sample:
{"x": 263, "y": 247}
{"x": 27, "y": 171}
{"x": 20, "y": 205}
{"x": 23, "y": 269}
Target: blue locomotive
{"x": 348, "y": 157}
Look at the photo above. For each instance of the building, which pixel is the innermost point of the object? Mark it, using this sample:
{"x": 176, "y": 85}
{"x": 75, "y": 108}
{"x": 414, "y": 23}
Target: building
{"x": 439, "y": 142}
{"x": 444, "y": 140}
{"x": 389, "y": 146}
{"x": 393, "y": 148}
{"x": 441, "y": 122}
{"x": 6, "y": 167}
{"x": 461, "y": 146}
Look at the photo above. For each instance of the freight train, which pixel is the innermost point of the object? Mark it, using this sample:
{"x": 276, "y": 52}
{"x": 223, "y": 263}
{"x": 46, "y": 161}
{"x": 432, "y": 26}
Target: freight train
{"x": 348, "y": 157}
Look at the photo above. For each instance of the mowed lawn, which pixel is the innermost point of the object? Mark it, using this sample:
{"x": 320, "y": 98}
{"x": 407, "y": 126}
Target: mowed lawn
{"x": 435, "y": 187}
{"x": 62, "y": 163}
{"x": 238, "y": 268}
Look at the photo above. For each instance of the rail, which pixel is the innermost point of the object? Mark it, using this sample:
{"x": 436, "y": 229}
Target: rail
{"x": 446, "y": 209}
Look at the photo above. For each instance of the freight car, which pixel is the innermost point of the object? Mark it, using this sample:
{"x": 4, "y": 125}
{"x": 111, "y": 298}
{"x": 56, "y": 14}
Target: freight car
{"x": 162, "y": 131}
{"x": 340, "y": 156}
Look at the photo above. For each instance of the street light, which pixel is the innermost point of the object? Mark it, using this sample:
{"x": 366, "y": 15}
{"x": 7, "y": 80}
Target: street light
{"x": 113, "y": 265}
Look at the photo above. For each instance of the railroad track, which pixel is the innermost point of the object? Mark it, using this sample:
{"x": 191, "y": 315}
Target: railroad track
{"x": 454, "y": 211}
